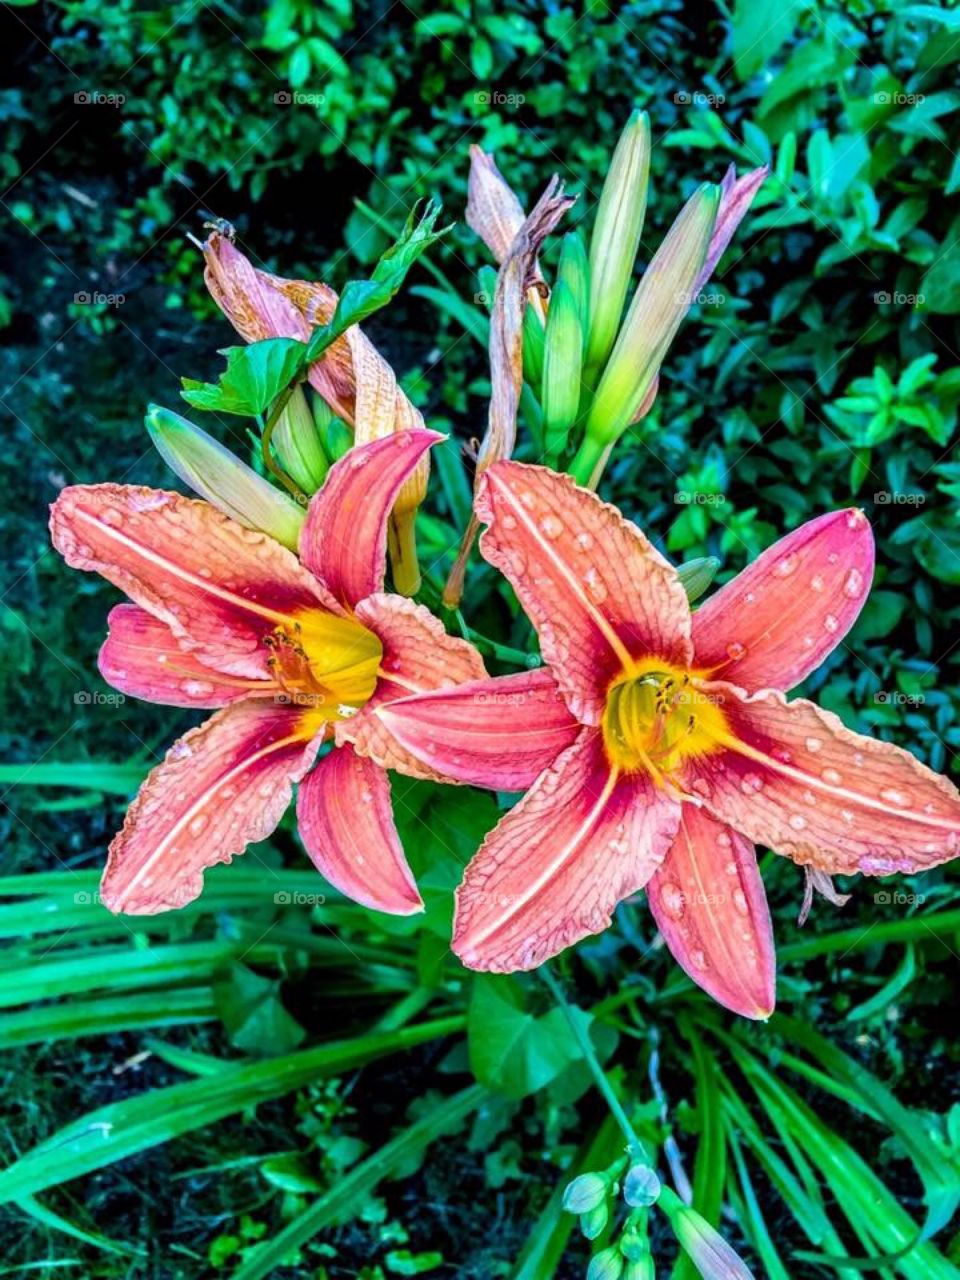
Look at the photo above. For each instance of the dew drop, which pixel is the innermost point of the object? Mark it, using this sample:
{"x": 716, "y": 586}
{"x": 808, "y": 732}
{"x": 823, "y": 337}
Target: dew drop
{"x": 750, "y": 783}
{"x": 723, "y": 839}
{"x": 698, "y": 959}
{"x": 832, "y": 776}
{"x": 671, "y": 899}
{"x": 112, "y": 516}
{"x": 197, "y": 688}
{"x": 197, "y": 825}
{"x": 890, "y": 795}
{"x": 814, "y": 744}
{"x": 551, "y": 527}
{"x": 740, "y": 901}
{"x": 596, "y": 587}
{"x": 180, "y": 751}
{"x": 736, "y": 650}
{"x": 831, "y": 623}
{"x": 508, "y": 521}
{"x": 585, "y": 541}
{"x": 817, "y": 582}
{"x": 797, "y": 821}
{"x": 853, "y": 586}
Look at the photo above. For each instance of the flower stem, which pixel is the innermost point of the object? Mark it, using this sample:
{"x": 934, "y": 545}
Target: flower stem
{"x": 635, "y": 1146}
{"x": 587, "y": 466}
{"x": 268, "y": 460}
{"x": 402, "y": 546}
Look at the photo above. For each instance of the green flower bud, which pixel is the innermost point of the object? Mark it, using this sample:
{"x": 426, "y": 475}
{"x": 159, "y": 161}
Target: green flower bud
{"x": 297, "y": 444}
{"x": 662, "y": 299}
{"x": 606, "y": 1265}
{"x": 641, "y": 1186}
{"x": 214, "y": 473}
{"x": 335, "y": 436}
{"x": 594, "y": 1220}
{"x": 585, "y": 1193}
{"x": 697, "y": 575}
{"x": 616, "y": 235}
{"x": 574, "y": 271}
{"x": 641, "y": 1269}
{"x": 563, "y": 354}
{"x": 533, "y": 348}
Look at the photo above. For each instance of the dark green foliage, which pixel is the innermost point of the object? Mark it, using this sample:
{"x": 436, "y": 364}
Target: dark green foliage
{"x": 821, "y": 368}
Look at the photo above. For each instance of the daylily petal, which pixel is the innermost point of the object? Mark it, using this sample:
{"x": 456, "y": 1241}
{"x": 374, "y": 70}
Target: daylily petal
{"x": 500, "y": 733}
{"x": 218, "y": 586}
{"x": 795, "y": 779}
{"x": 709, "y": 903}
{"x": 345, "y": 817}
{"x": 142, "y": 657}
{"x": 597, "y": 591}
{"x": 777, "y": 620}
{"x": 221, "y": 787}
{"x": 552, "y": 871}
{"x": 736, "y": 197}
{"x": 494, "y": 211}
{"x": 344, "y": 539}
{"x": 418, "y": 656}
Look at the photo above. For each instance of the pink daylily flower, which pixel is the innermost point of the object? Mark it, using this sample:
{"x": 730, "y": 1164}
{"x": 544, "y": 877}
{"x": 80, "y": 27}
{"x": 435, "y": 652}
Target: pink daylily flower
{"x": 659, "y": 745}
{"x": 294, "y": 652}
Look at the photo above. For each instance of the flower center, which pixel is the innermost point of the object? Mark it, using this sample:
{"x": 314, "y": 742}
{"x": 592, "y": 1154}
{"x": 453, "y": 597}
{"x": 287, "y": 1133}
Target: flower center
{"x": 656, "y": 717}
{"x": 325, "y": 663}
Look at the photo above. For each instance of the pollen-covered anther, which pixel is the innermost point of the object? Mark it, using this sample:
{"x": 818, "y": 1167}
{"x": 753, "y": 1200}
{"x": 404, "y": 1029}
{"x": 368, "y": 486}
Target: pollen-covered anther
{"x": 325, "y": 663}
{"x": 656, "y": 718}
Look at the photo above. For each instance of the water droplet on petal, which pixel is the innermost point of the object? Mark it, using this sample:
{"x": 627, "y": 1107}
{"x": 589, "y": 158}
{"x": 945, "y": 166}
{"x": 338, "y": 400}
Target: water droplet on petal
{"x": 783, "y": 568}
{"x": 890, "y": 795}
{"x": 817, "y": 582}
{"x": 197, "y": 688}
{"x": 671, "y": 899}
{"x": 853, "y": 586}
{"x": 736, "y": 650}
{"x": 596, "y": 587}
{"x": 551, "y": 527}
{"x": 797, "y": 821}
{"x": 698, "y": 959}
{"x": 750, "y": 783}
{"x": 831, "y": 623}
{"x": 740, "y": 901}
{"x": 197, "y": 825}
{"x": 814, "y": 744}
{"x": 832, "y": 776}
{"x": 584, "y": 540}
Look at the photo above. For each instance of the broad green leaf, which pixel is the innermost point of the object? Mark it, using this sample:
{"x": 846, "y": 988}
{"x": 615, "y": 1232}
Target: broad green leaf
{"x": 255, "y": 375}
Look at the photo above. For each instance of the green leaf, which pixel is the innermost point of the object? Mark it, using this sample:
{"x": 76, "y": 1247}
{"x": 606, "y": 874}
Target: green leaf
{"x": 512, "y": 1051}
{"x": 255, "y": 375}
{"x": 252, "y": 1012}
{"x": 124, "y": 1128}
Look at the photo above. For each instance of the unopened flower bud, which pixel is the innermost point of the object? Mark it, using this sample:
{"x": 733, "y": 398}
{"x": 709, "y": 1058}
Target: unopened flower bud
{"x": 585, "y": 1192}
{"x": 697, "y": 575}
{"x": 713, "y": 1258}
{"x": 594, "y": 1220}
{"x": 641, "y": 1186}
{"x": 334, "y": 434}
{"x": 213, "y": 472}
{"x": 563, "y": 353}
{"x": 641, "y": 1269}
{"x": 662, "y": 299}
{"x": 616, "y": 235}
{"x": 533, "y": 348}
{"x": 297, "y": 444}
{"x": 574, "y": 271}
{"x": 606, "y": 1265}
